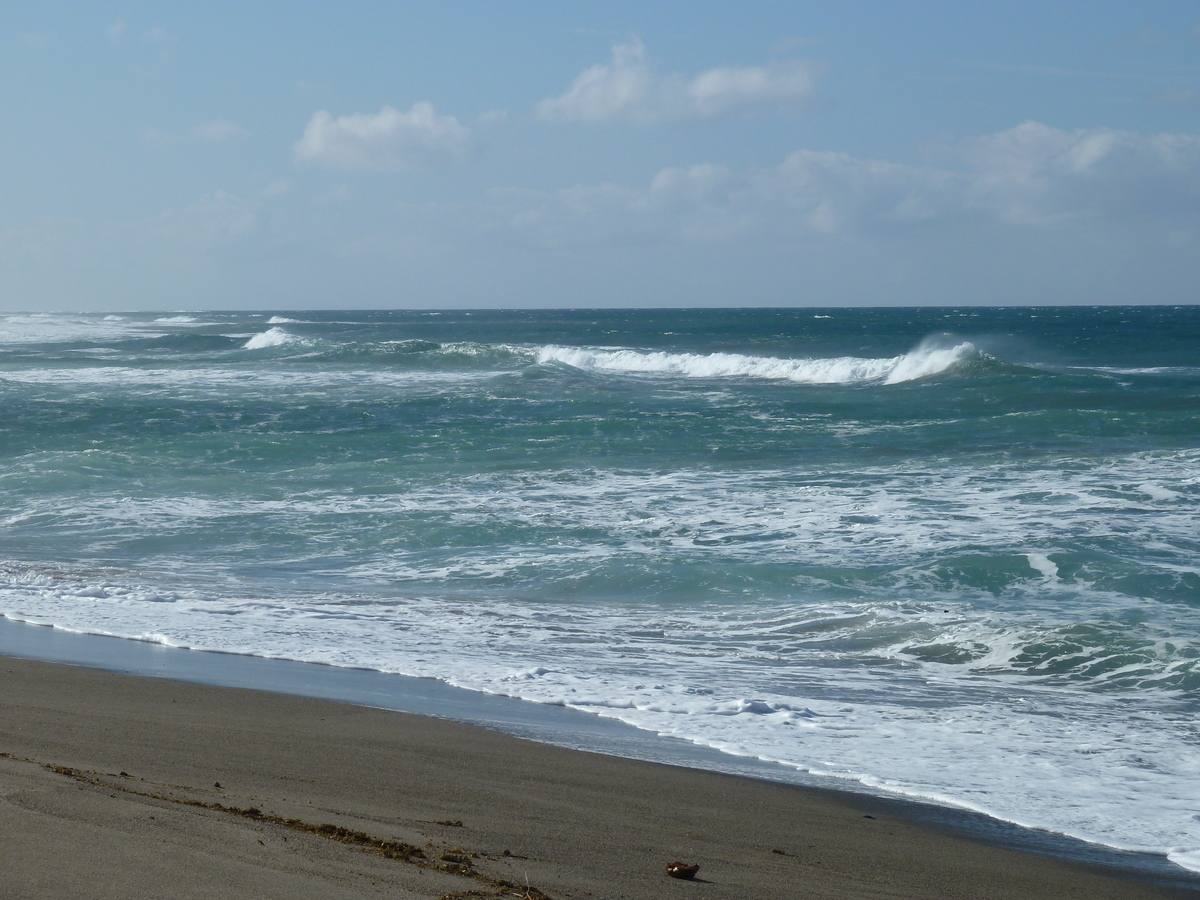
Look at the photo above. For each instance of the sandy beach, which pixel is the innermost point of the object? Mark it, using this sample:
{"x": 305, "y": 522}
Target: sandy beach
{"x": 120, "y": 786}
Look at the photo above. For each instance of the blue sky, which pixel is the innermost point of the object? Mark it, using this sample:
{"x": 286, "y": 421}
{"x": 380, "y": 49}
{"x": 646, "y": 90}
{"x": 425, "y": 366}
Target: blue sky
{"x": 320, "y": 155}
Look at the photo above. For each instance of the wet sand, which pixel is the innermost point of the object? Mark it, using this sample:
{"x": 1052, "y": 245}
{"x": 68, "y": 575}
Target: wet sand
{"x": 120, "y": 786}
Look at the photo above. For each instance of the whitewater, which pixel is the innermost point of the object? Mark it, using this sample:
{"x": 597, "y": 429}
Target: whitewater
{"x": 943, "y": 554}
{"x": 925, "y": 360}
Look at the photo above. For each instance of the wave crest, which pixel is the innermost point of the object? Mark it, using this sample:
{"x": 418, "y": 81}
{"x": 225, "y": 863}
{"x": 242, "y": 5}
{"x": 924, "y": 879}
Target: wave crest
{"x": 926, "y": 360}
{"x": 274, "y": 337}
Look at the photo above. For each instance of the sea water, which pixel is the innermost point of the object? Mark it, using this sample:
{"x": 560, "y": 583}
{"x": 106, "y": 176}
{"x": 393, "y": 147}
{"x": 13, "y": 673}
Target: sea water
{"x": 950, "y": 554}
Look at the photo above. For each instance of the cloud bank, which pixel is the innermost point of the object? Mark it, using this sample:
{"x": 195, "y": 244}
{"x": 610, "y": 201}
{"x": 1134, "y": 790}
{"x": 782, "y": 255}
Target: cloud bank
{"x": 386, "y": 141}
{"x": 627, "y": 89}
{"x": 1041, "y": 175}
{"x": 1030, "y": 176}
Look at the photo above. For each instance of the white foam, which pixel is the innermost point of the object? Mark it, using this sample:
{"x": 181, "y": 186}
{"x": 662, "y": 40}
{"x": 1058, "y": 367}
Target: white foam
{"x": 50, "y": 328}
{"x": 1158, "y": 492}
{"x": 184, "y": 382}
{"x": 274, "y": 337}
{"x": 1188, "y": 858}
{"x": 1001, "y": 729}
{"x": 1104, "y": 768}
{"x": 922, "y": 362}
{"x": 1039, "y": 562}
{"x": 282, "y": 320}
{"x": 1182, "y": 371}
{"x": 927, "y": 360}
{"x": 698, "y": 674}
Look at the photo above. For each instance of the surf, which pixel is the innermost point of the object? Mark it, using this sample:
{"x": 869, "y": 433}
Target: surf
{"x": 927, "y": 360}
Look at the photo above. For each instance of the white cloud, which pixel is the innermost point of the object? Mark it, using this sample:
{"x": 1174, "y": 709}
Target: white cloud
{"x": 810, "y": 194}
{"x": 214, "y": 218}
{"x": 494, "y": 117}
{"x": 119, "y": 32}
{"x": 1036, "y": 174}
{"x": 277, "y": 188}
{"x": 628, "y": 89}
{"x": 205, "y": 132}
{"x": 1030, "y": 177}
{"x": 835, "y": 193}
{"x": 388, "y": 140}
{"x": 213, "y": 132}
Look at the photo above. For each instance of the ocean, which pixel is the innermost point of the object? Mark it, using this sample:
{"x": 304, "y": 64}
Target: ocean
{"x": 943, "y": 554}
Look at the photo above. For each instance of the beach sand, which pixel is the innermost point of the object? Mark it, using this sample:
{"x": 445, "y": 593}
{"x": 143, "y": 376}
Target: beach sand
{"x": 115, "y": 786}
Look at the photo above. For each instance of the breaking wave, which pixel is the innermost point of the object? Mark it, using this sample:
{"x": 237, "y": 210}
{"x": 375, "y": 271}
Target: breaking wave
{"x": 926, "y": 360}
{"x": 274, "y": 337}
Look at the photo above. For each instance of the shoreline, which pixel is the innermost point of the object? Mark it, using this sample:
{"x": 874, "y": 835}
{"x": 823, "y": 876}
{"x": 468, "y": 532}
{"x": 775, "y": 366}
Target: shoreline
{"x": 557, "y": 727}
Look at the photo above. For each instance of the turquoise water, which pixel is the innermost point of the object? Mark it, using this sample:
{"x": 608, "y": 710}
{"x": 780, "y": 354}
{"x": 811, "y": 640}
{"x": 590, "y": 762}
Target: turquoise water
{"x": 943, "y": 553}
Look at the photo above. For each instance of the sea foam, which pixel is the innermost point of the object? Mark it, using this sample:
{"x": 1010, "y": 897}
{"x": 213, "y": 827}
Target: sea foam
{"x": 1000, "y": 572}
{"x": 274, "y": 337}
{"x": 923, "y": 362}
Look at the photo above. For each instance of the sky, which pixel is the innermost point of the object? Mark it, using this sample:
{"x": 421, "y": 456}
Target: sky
{"x": 316, "y": 155}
